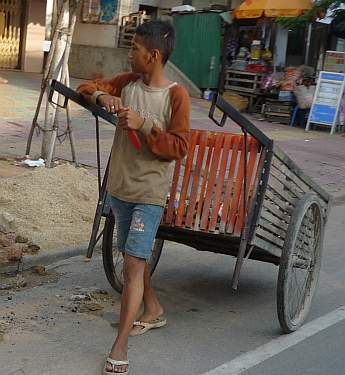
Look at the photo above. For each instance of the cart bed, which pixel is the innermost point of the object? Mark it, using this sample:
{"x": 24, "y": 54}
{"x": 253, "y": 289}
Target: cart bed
{"x": 207, "y": 188}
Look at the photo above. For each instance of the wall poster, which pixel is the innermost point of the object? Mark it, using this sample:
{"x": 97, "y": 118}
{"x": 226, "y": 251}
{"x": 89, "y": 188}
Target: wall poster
{"x": 100, "y": 11}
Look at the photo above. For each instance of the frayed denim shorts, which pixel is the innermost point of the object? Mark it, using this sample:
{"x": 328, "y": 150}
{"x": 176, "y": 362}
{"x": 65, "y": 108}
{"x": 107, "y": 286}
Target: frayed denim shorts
{"x": 136, "y": 226}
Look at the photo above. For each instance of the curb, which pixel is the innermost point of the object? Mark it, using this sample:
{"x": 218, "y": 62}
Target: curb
{"x": 29, "y": 261}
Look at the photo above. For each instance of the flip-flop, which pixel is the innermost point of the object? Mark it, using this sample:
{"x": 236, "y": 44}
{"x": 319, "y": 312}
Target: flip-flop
{"x": 114, "y": 363}
{"x": 140, "y": 327}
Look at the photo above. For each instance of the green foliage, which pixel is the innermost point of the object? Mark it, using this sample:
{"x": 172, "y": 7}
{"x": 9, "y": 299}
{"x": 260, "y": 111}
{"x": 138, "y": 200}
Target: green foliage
{"x": 317, "y": 11}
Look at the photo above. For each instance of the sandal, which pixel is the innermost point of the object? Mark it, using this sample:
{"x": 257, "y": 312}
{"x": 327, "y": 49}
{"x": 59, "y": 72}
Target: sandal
{"x": 140, "y": 327}
{"x": 114, "y": 363}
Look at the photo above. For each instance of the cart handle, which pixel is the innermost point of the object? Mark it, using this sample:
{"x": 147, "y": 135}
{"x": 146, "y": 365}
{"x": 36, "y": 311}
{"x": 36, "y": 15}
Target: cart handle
{"x": 68, "y": 93}
{"x": 218, "y": 102}
{"x": 96, "y": 110}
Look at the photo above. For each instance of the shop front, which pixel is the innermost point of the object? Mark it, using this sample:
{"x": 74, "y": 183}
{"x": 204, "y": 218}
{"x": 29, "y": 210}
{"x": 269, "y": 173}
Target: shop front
{"x": 265, "y": 60}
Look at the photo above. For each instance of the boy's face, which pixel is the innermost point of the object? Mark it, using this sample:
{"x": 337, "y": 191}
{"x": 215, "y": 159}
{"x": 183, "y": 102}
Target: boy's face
{"x": 141, "y": 59}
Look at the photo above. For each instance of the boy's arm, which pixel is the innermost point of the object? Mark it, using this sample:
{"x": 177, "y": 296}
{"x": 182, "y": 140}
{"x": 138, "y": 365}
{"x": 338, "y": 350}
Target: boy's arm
{"x": 173, "y": 143}
{"x": 91, "y": 89}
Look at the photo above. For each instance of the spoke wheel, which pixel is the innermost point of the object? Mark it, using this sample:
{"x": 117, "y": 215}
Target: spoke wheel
{"x": 113, "y": 259}
{"x": 300, "y": 263}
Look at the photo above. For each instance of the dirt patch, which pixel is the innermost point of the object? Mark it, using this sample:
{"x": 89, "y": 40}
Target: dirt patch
{"x": 10, "y": 168}
{"x": 52, "y": 207}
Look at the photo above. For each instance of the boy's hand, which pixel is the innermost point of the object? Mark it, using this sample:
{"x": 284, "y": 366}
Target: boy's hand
{"x": 112, "y": 104}
{"x": 129, "y": 119}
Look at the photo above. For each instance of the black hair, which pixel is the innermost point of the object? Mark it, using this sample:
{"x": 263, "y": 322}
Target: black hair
{"x": 159, "y": 35}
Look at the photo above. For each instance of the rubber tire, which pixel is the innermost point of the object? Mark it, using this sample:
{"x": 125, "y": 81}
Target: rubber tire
{"x": 287, "y": 324}
{"x": 114, "y": 277}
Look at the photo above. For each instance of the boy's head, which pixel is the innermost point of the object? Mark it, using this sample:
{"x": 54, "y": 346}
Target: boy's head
{"x": 153, "y": 43}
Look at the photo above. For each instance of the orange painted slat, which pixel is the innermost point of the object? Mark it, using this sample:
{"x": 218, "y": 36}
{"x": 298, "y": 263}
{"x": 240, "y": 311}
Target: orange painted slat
{"x": 220, "y": 182}
{"x": 237, "y": 193}
{"x": 171, "y": 205}
{"x": 202, "y": 142}
{"x": 186, "y": 177}
{"x": 211, "y": 181}
{"x": 227, "y": 202}
{"x": 253, "y": 149}
{"x": 210, "y": 143}
{"x": 257, "y": 178}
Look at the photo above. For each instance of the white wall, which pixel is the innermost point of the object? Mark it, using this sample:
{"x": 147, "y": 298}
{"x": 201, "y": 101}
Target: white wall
{"x": 34, "y": 36}
{"x": 89, "y": 34}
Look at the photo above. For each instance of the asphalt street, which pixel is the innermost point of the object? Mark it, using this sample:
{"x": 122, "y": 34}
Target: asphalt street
{"x": 48, "y": 333}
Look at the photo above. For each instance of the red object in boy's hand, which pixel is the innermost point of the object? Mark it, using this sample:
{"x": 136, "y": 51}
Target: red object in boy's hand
{"x": 133, "y": 136}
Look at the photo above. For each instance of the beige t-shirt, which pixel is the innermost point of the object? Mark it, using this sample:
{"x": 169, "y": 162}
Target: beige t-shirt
{"x": 143, "y": 176}
{"x": 139, "y": 176}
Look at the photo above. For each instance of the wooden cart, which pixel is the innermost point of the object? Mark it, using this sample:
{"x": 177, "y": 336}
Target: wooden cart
{"x": 234, "y": 194}
{"x": 239, "y": 194}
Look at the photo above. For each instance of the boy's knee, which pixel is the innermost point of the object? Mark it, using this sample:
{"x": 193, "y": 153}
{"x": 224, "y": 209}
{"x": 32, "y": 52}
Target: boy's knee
{"x": 133, "y": 267}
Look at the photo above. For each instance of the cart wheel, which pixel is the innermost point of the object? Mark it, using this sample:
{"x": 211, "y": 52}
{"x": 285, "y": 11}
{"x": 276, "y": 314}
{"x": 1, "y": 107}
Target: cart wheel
{"x": 300, "y": 263}
{"x": 113, "y": 260}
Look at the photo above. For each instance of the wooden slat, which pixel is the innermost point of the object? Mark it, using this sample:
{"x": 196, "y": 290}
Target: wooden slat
{"x": 220, "y": 182}
{"x": 272, "y": 228}
{"x": 278, "y": 188}
{"x": 298, "y": 172}
{"x": 273, "y": 219}
{"x": 284, "y": 173}
{"x": 286, "y": 185}
{"x": 270, "y": 237}
{"x": 237, "y": 194}
{"x": 210, "y": 142}
{"x": 278, "y": 164}
{"x": 173, "y": 190}
{"x": 202, "y": 141}
{"x": 211, "y": 181}
{"x": 283, "y": 215}
{"x": 186, "y": 178}
{"x": 236, "y": 144}
{"x": 267, "y": 246}
{"x": 284, "y": 205}
{"x": 253, "y": 150}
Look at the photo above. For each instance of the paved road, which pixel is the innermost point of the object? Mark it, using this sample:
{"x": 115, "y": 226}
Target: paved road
{"x": 209, "y": 325}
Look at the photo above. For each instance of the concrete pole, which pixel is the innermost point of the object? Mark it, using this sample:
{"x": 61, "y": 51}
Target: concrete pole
{"x": 55, "y": 69}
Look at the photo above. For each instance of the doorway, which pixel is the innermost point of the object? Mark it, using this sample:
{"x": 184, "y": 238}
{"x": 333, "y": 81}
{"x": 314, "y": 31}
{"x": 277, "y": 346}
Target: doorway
{"x": 11, "y": 25}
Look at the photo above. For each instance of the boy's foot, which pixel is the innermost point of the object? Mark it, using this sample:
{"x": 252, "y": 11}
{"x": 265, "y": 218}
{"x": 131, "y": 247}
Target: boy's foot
{"x": 116, "y": 366}
{"x": 140, "y": 327}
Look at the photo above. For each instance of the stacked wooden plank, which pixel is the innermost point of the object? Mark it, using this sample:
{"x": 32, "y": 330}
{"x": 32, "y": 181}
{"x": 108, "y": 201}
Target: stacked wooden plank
{"x": 242, "y": 81}
{"x": 278, "y": 111}
{"x": 128, "y": 26}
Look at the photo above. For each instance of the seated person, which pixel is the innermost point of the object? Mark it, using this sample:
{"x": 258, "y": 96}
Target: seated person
{"x": 304, "y": 94}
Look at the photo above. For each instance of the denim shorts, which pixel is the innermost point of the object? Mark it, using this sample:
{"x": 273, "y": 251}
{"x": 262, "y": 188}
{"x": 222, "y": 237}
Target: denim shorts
{"x": 136, "y": 225}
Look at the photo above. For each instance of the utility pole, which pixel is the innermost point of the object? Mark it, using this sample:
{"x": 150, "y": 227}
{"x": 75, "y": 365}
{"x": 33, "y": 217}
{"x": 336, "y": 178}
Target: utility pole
{"x": 56, "y": 67}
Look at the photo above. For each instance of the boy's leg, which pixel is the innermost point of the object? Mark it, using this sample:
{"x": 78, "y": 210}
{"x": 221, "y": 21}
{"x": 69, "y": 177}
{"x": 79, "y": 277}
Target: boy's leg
{"x": 152, "y": 307}
{"x": 132, "y": 296}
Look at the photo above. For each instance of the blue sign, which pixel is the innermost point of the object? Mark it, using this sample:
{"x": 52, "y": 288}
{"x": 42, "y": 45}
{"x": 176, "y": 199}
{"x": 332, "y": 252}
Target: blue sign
{"x": 329, "y": 91}
{"x": 323, "y": 114}
{"x": 332, "y": 76}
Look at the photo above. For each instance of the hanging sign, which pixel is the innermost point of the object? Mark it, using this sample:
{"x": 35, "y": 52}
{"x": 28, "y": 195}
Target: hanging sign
{"x": 327, "y": 98}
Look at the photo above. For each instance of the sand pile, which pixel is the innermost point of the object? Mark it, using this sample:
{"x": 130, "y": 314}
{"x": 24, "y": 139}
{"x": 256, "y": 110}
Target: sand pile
{"x": 53, "y": 208}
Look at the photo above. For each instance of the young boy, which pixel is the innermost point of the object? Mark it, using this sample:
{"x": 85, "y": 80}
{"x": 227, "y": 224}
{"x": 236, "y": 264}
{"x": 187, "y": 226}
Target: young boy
{"x": 158, "y": 111}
